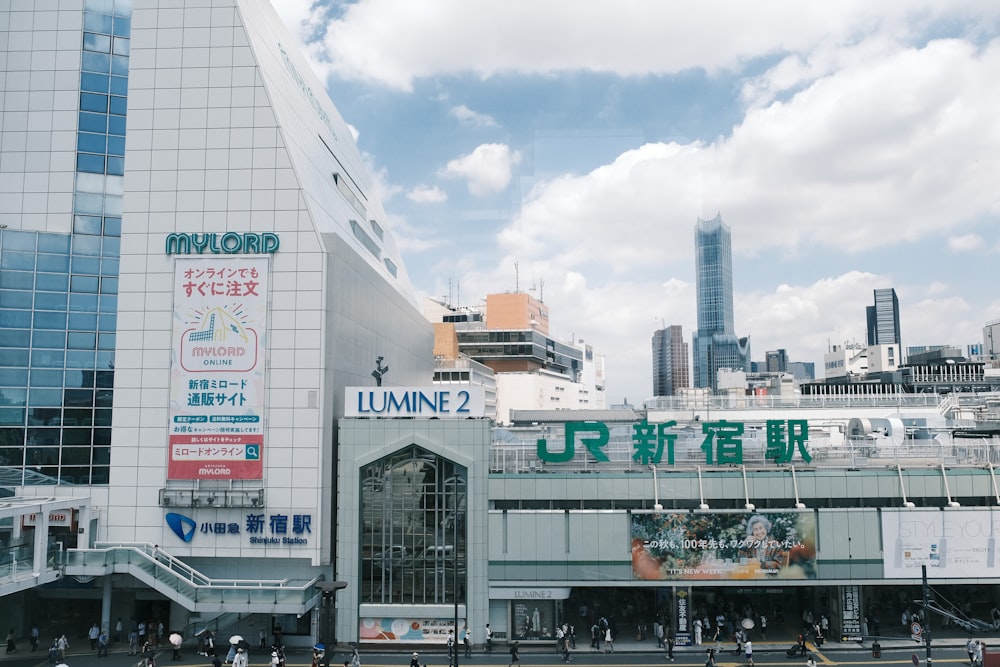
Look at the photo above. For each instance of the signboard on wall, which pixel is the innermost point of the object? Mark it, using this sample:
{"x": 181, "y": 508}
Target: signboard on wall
{"x": 408, "y": 630}
{"x": 216, "y": 428}
{"x": 850, "y": 617}
{"x": 441, "y": 401}
{"x": 951, "y": 543}
{"x": 677, "y": 546}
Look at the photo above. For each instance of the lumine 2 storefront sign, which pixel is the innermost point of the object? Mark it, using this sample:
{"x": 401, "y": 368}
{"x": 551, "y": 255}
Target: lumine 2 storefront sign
{"x": 723, "y": 442}
{"x": 229, "y": 243}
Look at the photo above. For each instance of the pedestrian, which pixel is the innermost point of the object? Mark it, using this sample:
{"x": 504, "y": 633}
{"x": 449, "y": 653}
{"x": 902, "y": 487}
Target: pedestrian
{"x": 451, "y": 648}
{"x": 415, "y": 659}
{"x": 62, "y": 644}
{"x": 671, "y": 640}
{"x": 489, "y": 639}
{"x": 54, "y": 652}
{"x": 34, "y": 636}
{"x": 515, "y": 658}
{"x": 697, "y": 632}
{"x": 565, "y": 650}
{"x": 595, "y": 637}
{"x": 711, "y": 658}
{"x": 468, "y": 644}
{"x": 802, "y": 645}
{"x": 977, "y": 654}
{"x": 177, "y": 652}
{"x": 262, "y": 639}
{"x": 748, "y": 652}
{"x": 811, "y": 661}
{"x": 148, "y": 655}
{"x": 133, "y": 642}
{"x": 11, "y": 647}
{"x": 93, "y": 634}
{"x": 609, "y": 641}
{"x": 763, "y": 626}
{"x": 241, "y": 659}
{"x": 355, "y": 658}
{"x": 970, "y": 647}
{"x": 119, "y": 626}
{"x": 102, "y": 644}
{"x": 275, "y": 660}
{"x": 216, "y": 661}
{"x": 141, "y": 633}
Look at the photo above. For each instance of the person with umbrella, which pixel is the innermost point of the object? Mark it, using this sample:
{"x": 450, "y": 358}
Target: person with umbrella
{"x": 319, "y": 652}
{"x": 148, "y": 655}
{"x": 241, "y": 659}
{"x": 234, "y": 643}
{"x": 415, "y": 660}
{"x": 176, "y": 640}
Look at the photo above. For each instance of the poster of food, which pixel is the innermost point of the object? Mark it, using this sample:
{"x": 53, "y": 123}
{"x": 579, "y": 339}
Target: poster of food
{"x": 671, "y": 546}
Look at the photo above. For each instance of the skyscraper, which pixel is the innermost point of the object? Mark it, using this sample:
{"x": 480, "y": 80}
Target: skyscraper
{"x": 883, "y": 318}
{"x": 715, "y": 342}
{"x": 670, "y": 361}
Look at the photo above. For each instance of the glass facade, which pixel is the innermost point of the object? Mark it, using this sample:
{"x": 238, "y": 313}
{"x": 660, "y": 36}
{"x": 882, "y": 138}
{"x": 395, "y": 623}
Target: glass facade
{"x": 413, "y": 535}
{"x": 59, "y": 292}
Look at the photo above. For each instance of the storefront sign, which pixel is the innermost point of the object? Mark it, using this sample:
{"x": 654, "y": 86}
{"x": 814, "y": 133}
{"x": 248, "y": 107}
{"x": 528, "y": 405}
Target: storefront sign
{"x": 217, "y": 369}
{"x": 678, "y": 546}
{"x": 57, "y": 518}
{"x": 229, "y": 243}
{"x": 277, "y": 529}
{"x": 529, "y": 593}
{"x": 850, "y": 619}
{"x": 951, "y": 543}
{"x": 654, "y": 443}
{"x": 433, "y": 401}
{"x": 406, "y": 630}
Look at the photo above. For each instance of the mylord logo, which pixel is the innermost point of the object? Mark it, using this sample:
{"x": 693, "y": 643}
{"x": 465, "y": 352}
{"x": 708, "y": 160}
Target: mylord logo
{"x": 182, "y": 526}
{"x": 230, "y": 243}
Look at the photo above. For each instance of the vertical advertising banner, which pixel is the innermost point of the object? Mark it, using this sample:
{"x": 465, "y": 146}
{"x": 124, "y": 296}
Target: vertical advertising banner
{"x": 850, "y": 619}
{"x": 217, "y": 368}
{"x": 951, "y": 543}
{"x": 724, "y": 545}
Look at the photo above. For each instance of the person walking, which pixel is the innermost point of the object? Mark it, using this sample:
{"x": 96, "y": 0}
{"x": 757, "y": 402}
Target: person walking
{"x": 63, "y": 645}
{"x": 711, "y": 658}
{"x": 11, "y": 647}
{"x": 102, "y": 644}
{"x": 488, "y": 647}
{"x": 34, "y": 636}
{"x": 671, "y": 640}
{"x": 93, "y": 634}
{"x": 763, "y": 626}
{"x": 748, "y": 652}
{"x": 415, "y": 660}
{"x": 515, "y": 657}
{"x": 119, "y": 626}
{"x": 241, "y": 659}
{"x": 697, "y": 632}
{"x": 609, "y": 641}
{"x": 451, "y": 648}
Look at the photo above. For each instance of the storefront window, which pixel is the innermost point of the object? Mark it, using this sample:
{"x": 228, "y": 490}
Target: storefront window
{"x": 413, "y": 530}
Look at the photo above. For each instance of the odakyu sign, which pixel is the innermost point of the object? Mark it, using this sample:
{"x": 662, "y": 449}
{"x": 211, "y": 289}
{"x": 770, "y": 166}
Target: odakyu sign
{"x": 229, "y": 243}
{"x": 434, "y": 401}
{"x": 655, "y": 443}
{"x": 672, "y": 546}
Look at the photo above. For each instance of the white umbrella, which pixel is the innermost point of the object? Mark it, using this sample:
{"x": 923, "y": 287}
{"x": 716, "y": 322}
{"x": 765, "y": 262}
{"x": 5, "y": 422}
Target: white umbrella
{"x": 235, "y": 639}
{"x": 176, "y": 640}
{"x": 747, "y": 623}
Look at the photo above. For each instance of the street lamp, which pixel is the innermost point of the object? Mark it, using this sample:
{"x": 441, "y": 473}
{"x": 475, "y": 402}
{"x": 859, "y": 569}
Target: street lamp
{"x": 328, "y": 591}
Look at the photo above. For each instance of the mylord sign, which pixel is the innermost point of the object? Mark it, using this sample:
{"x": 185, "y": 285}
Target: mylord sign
{"x": 229, "y": 243}
{"x": 436, "y": 401}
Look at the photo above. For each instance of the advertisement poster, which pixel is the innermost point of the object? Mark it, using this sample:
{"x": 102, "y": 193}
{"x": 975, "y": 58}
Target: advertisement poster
{"x": 217, "y": 368}
{"x": 850, "y": 619}
{"x": 673, "y": 546}
{"x": 408, "y": 630}
{"x": 951, "y": 543}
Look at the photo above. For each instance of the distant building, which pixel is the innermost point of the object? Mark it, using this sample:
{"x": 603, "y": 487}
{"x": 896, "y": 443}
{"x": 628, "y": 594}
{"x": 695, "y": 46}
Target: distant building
{"x": 802, "y": 370}
{"x": 716, "y": 345}
{"x": 991, "y": 341}
{"x": 776, "y": 361}
{"x": 883, "y": 319}
{"x": 670, "y": 361}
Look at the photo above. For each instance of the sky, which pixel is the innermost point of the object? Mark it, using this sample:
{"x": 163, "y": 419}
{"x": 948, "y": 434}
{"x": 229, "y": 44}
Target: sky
{"x": 567, "y": 148}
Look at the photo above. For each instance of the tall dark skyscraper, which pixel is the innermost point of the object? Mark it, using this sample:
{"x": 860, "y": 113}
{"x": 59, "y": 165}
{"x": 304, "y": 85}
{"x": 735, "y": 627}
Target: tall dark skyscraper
{"x": 670, "y": 361}
{"x": 715, "y": 342}
{"x": 883, "y": 318}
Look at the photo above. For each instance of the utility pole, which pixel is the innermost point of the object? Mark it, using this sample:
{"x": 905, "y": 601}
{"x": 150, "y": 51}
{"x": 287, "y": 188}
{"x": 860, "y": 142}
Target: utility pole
{"x": 927, "y": 618}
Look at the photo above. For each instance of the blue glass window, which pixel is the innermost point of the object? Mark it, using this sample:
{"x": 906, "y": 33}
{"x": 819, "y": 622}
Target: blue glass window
{"x": 116, "y": 166}
{"x": 53, "y": 243}
{"x": 87, "y": 224}
{"x": 15, "y": 299}
{"x": 51, "y": 282}
{"x": 96, "y": 43}
{"x": 95, "y": 22}
{"x": 11, "y": 416}
{"x": 121, "y": 47}
{"x": 92, "y": 164}
{"x": 119, "y": 85}
{"x": 93, "y": 102}
{"x": 112, "y": 246}
{"x": 85, "y": 245}
{"x": 105, "y": 359}
{"x": 123, "y": 26}
{"x": 80, "y": 359}
{"x": 17, "y": 260}
{"x": 91, "y": 143}
{"x": 109, "y": 267}
{"x": 87, "y": 284}
{"x": 13, "y": 357}
{"x": 96, "y": 62}
{"x": 113, "y": 227}
{"x": 16, "y": 338}
{"x": 84, "y": 202}
{"x": 49, "y": 339}
{"x": 108, "y": 322}
{"x": 54, "y": 263}
{"x": 116, "y": 146}
{"x": 16, "y": 279}
{"x": 102, "y": 437}
{"x": 118, "y": 105}
{"x": 105, "y": 380}
{"x": 83, "y": 321}
{"x": 50, "y": 320}
{"x": 45, "y": 397}
{"x": 102, "y": 417}
{"x": 119, "y": 65}
{"x": 15, "y": 319}
{"x": 14, "y": 240}
{"x": 95, "y": 83}
{"x": 15, "y": 396}
{"x": 90, "y": 266}
{"x": 81, "y": 340}
{"x": 109, "y": 285}
{"x": 93, "y": 122}
{"x": 50, "y": 300}
{"x": 16, "y": 377}
{"x": 109, "y": 303}
{"x": 116, "y": 125}
{"x": 86, "y": 303}
{"x": 48, "y": 358}
{"x": 46, "y": 378}
{"x": 106, "y": 341}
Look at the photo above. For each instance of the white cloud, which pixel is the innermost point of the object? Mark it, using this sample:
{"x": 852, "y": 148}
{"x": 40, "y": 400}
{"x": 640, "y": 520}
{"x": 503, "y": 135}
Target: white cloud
{"x": 487, "y": 169}
{"x": 427, "y": 194}
{"x": 394, "y": 42}
{"x": 966, "y": 243}
{"x": 469, "y": 117}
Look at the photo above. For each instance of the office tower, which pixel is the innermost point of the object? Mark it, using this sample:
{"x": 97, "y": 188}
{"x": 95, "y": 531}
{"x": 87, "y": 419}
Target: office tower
{"x": 670, "y": 361}
{"x": 776, "y": 361}
{"x": 181, "y": 311}
{"x": 883, "y": 318}
{"x": 715, "y": 342}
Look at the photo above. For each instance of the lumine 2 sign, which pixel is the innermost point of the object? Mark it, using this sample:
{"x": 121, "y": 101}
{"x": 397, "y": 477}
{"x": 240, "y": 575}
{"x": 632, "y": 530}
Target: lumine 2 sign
{"x": 723, "y": 443}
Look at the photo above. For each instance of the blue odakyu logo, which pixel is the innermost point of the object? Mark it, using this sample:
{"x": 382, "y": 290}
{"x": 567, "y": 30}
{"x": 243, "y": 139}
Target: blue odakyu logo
{"x": 182, "y": 526}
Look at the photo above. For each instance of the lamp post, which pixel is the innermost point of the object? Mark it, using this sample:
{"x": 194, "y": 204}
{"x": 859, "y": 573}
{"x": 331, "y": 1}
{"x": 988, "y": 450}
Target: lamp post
{"x": 328, "y": 609}
{"x": 926, "y": 619}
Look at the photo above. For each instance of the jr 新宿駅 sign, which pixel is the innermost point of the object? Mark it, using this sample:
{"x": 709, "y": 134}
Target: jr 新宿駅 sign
{"x": 654, "y": 443}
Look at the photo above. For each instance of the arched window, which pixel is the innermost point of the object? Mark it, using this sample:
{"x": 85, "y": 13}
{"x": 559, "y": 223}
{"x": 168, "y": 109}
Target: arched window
{"x": 413, "y": 529}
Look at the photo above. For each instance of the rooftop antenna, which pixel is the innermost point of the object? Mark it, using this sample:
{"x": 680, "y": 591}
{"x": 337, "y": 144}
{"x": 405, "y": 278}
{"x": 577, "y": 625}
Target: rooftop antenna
{"x": 517, "y": 282}
{"x": 541, "y": 289}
